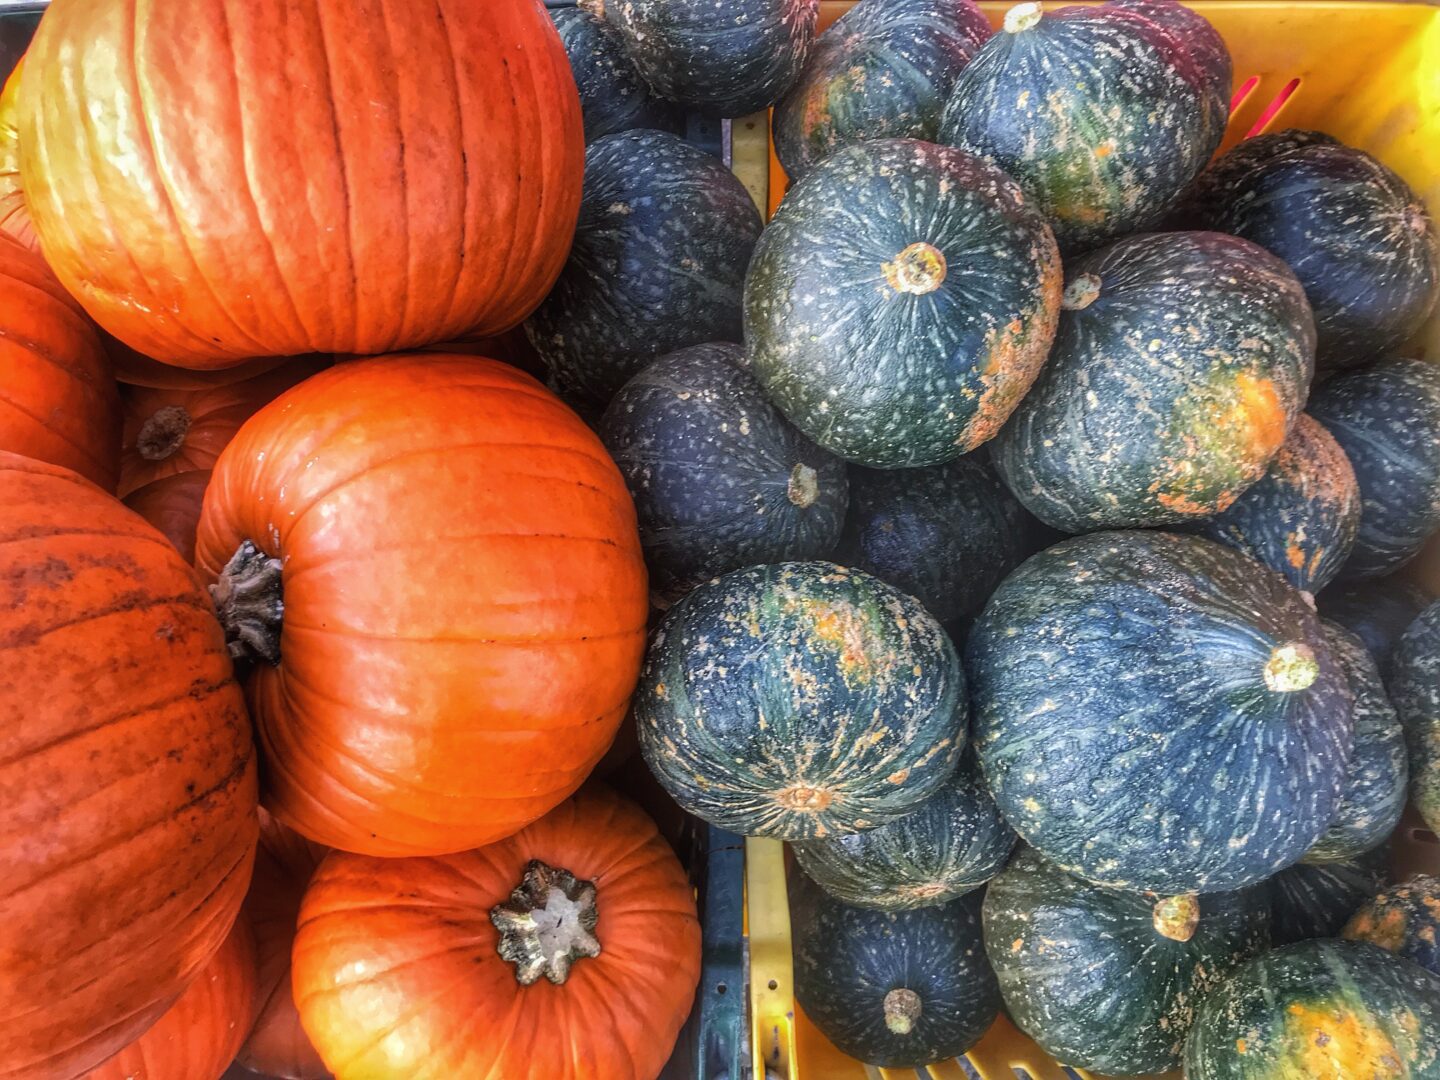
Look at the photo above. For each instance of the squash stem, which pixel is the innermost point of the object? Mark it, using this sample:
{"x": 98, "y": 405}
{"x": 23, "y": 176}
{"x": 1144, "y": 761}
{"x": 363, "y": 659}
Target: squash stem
{"x": 918, "y": 270}
{"x": 902, "y": 1009}
{"x": 547, "y": 924}
{"x": 1292, "y": 667}
{"x": 1081, "y": 292}
{"x": 1176, "y": 917}
{"x": 163, "y": 433}
{"x": 249, "y": 599}
{"x": 1022, "y": 17}
{"x": 804, "y": 486}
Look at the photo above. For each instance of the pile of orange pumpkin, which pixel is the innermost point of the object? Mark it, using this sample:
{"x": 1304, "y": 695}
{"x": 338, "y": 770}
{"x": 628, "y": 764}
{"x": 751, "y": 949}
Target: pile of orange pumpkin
{"x": 315, "y": 622}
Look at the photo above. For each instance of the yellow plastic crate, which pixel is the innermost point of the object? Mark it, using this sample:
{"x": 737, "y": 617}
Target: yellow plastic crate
{"x": 1367, "y": 73}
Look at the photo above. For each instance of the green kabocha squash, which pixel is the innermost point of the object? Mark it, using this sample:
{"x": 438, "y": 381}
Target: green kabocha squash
{"x": 1415, "y": 690}
{"x": 658, "y": 264}
{"x": 949, "y": 845}
{"x": 613, "y": 97}
{"x": 1106, "y": 979}
{"x": 800, "y": 700}
{"x": 1319, "y": 1010}
{"x": 1404, "y": 919}
{"x": 1387, "y": 420}
{"x": 894, "y": 989}
{"x": 883, "y": 70}
{"x": 1100, "y": 113}
{"x": 1379, "y": 611}
{"x": 1181, "y": 364}
{"x": 1316, "y": 900}
{"x": 901, "y": 302}
{"x": 1158, "y": 712}
{"x": 720, "y": 479}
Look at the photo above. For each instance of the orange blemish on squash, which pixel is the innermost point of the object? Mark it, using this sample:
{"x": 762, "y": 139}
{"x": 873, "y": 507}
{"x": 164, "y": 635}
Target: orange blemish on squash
{"x": 844, "y": 631}
{"x": 1105, "y": 149}
{"x": 805, "y": 800}
{"x": 1338, "y": 1044}
{"x": 1295, "y": 555}
{"x": 899, "y": 777}
{"x": 1240, "y": 1046}
{"x": 1388, "y": 931}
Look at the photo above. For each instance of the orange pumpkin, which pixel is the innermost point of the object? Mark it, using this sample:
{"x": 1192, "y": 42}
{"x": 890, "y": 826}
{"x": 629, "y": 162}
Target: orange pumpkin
{"x": 435, "y": 568}
{"x": 135, "y": 369}
{"x": 435, "y": 967}
{"x": 198, "y": 1036}
{"x": 371, "y": 177}
{"x": 127, "y": 775}
{"x": 14, "y": 217}
{"x": 172, "y": 504}
{"x": 57, "y": 398}
{"x": 284, "y": 863}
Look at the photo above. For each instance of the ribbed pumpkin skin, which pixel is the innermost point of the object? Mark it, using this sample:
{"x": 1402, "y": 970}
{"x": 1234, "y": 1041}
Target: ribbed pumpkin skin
{"x": 14, "y": 215}
{"x": 1143, "y": 418}
{"x": 720, "y": 479}
{"x": 173, "y": 504}
{"x": 464, "y": 596}
{"x": 658, "y": 264}
{"x": 726, "y": 59}
{"x": 1099, "y": 113}
{"x": 1322, "y": 1010}
{"x": 1116, "y": 655}
{"x": 1387, "y": 420}
{"x": 1086, "y": 974}
{"x": 1415, "y": 690}
{"x": 847, "y": 959}
{"x": 949, "y": 845}
{"x": 862, "y": 358}
{"x": 421, "y": 171}
{"x": 198, "y": 1036}
{"x": 612, "y": 95}
{"x": 1208, "y": 53}
{"x": 1302, "y": 517}
{"x": 851, "y": 710}
{"x": 883, "y": 70}
{"x": 397, "y": 972}
{"x": 1315, "y": 900}
{"x": 127, "y": 773}
{"x": 1404, "y": 919}
{"x": 1379, "y": 611}
{"x": 133, "y": 369}
{"x": 57, "y": 399}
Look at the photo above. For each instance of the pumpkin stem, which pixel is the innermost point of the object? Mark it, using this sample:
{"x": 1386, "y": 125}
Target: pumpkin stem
{"x": 547, "y": 924}
{"x": 917, "y": 270}
{"x": 592, "y": 7}
{"x": 804, "y": 486}
{"x": 1022, "y": 17}
{"x": 163, "y": 433}
{"x": 1292, "y": 667}
{"x": 902, "y": 1009}
{"x": 1176, "y": 917}
{"x": 249, "y": 598}
{"x": 1081, "y": 292}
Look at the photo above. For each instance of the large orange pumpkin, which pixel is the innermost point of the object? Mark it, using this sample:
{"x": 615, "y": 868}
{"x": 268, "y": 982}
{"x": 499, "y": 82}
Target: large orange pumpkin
{"x": 127, "y": 775}
{"x": 198, "y": 1036}
{"x": 463, "y": 597}
{"x": 435, "y": 968}
{"x": 14, "y": 217}
{"x": 172, "y": 504}
{"x": 57, "y": 398}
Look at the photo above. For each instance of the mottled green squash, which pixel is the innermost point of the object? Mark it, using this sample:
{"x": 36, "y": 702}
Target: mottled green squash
{"x": 612, "y": 95}
{"x": 1404, "y": 919}
{"x": 1315, "y": 900}
{"x": 1415, "y": 690}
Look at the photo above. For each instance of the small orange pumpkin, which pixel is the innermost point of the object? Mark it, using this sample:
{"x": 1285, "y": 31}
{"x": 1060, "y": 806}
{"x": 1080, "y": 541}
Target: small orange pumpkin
{"x": 136, "y": 369}
{"x": 172, "y": 504}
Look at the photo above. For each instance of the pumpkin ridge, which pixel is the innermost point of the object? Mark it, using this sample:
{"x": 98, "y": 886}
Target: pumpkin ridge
{"x": 62, "y": 436}
{"x": 30, "y": 635}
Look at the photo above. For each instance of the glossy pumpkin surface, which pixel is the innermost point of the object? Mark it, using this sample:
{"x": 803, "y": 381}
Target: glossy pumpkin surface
{"x": 1315, "y": 900}
{"x": 883, "y": 70}
{"x": 1180, "y": 367}
{"x": 421, "y": 176}
{"x": 173, "y": 504}
{"x": 1322, "y": 1010}
{"x": 1379, "y": 611}
{"x": 127, "y": 785}
{"x": 463, "y": 592}
{"x": 397, "y": 961}
{"x": 1405, "y": 920}
{"x": 14, "y": 215}
{"x": 613, "y": 97}
{"x": 850, "y": 713}
{"x": 720, "y": 479}
{"x": 1114, "y": 655}
{"x": 1105, "y": 979}
{"x": 901, "y": 302}
{"x": 1415, "y": 690}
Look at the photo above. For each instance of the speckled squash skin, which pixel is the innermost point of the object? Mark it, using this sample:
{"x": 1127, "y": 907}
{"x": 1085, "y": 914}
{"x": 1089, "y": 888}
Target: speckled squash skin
{"x": 1379, "y": 774}
{"x": 883, "y": 70}
{"x": 1320, "y": 1010}
{"x": 658, "y": 264}
{"x": 849, "y": 713}
{"x": 1315, "y": 900}
{"x": 1099, "y": 113}
{"x": 901, "y": 302}
{"x": 613, "y": 97}
{"x": 1360, "y": 240}
{"x": 1404, "y": 919}
{"x": 1117, "y": 656}
{"x": 945, "y": 534}
{"x": 1387, "y": 420}
{"x": 1180, "y": 367}
{"x": 949, "y": 845}
{"x": 1378, "y": 611}
{"x": 1302, "y": 517}
{"x": 720, "y": 479}
{"x": 723, "y": 57}
{"x": 1415, "y": 690}
{"x": 849, "y": 962}
{"x": 1085, "y": 972}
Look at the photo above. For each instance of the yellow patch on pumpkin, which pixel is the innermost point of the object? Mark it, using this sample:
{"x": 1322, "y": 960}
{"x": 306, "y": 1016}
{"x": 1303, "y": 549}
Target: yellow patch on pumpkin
{"x": 1338, "y": 1044}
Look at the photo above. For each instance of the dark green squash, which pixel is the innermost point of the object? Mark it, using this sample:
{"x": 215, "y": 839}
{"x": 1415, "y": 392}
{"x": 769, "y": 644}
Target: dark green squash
{"x": 894, "y": 989}
{"x": 1180, "y": 367}
{"x": 613, "y": 97}
{"x": 1379, "y": 611}
{"x": 949, "y": 845}
{"x": 1319, "y": 1010}
{"x": 1404, "y": 919}
{"x": 1100, "y": 113}
{"x": 1158, "y": 712}
{"x": 1302, "y": 517}
{"x": 1315, "y": 900}
{"x": 1105, "y": 979}
{"x": 658, "y": 264}
{"x": 800, "y": 700}
{"x": 901, "y": 302}
{"x": 720, "y": 479}
{"x": 883, "y": 70}
{"x": 1415, "y": 690}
